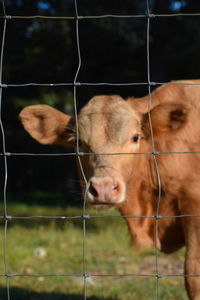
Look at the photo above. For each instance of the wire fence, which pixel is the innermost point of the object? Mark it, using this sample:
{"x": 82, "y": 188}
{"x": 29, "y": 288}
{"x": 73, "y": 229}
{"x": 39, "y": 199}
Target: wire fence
{"x": 148, "y": 16}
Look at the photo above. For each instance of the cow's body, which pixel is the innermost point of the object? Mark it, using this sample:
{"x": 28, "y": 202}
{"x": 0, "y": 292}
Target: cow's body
{"x": 108, "y": 124}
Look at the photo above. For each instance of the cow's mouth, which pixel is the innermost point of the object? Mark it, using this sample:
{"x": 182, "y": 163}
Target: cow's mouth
{"x": 101, "y": 205}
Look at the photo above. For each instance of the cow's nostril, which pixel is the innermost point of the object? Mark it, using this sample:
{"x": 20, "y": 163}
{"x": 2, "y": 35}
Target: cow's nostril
{"x": 105, "y": 190}
{"x": 115, "y": 187}
{"x": 92, "y": 190}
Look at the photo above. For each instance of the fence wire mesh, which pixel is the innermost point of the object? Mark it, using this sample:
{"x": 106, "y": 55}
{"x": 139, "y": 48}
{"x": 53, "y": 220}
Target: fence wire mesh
{"x": 148, "y": 16}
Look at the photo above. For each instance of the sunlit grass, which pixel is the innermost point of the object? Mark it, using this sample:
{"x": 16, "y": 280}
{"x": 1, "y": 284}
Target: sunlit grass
{"x": 55, "y": 247}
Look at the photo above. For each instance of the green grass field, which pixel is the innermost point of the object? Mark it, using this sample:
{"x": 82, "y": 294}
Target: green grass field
{"x": 43, "y": 247}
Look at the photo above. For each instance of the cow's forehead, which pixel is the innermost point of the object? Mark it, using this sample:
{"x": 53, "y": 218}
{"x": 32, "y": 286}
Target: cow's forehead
{"x": 107, "y": 119}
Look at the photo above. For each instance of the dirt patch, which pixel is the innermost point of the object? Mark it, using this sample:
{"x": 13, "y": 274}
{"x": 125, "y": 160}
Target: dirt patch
{"x": 166, "y": 265}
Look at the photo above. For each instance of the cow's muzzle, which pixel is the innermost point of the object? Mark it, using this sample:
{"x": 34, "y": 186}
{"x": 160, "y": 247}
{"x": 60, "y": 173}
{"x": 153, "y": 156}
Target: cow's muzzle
{"x": 105, "y": 191}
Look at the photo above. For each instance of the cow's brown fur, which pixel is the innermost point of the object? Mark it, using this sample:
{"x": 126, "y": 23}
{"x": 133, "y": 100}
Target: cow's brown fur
{"x": 107, "y": 125}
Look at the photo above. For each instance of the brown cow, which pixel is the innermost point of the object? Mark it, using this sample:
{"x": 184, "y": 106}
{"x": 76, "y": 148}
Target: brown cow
{"x": 108, "y": 124}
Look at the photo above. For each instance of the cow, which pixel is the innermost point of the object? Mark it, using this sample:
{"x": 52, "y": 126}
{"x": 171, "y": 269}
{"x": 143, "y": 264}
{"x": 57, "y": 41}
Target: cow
{"x": 160, "y": 143}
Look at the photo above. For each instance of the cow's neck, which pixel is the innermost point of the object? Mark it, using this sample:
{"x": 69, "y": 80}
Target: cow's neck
{"x": 139, "y": 203}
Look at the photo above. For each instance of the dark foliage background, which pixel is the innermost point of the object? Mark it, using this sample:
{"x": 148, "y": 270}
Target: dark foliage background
{"x": 112, "y": 50}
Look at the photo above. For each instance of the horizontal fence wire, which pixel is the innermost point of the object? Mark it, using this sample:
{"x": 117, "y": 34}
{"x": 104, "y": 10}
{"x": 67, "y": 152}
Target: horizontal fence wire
{"x": 104, "y": 16}
{"x": 4, "y": 85}
{"x": 158, "y": 217}
{"x": 92, "y": 154}
{"x": 76, "y": 84}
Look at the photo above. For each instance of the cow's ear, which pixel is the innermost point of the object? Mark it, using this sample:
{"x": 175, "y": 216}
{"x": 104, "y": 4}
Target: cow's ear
{"x": 166, "y": 117}
{"x": 48, "y": 125}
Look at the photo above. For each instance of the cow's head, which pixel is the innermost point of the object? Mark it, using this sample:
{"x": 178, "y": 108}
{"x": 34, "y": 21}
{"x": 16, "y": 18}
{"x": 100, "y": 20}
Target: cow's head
{"x": 107, "y": 125}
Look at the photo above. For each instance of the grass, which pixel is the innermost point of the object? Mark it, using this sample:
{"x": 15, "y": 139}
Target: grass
{"x": 53, "y": 247}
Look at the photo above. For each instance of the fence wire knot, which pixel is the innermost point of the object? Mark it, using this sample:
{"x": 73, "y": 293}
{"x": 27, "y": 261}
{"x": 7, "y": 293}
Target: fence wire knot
{"x": 152, "y": 83}
{"x": 86, "y": 216}
{"x": 3, "y": 85}
{"x": 156, "y": 153}
{"x": 77, "y": 84}
{"x": 151, "y": 15}
{"x": 8, "y": 154}
{"x": 80, "y": 153}
{"x": 160, "y": 276}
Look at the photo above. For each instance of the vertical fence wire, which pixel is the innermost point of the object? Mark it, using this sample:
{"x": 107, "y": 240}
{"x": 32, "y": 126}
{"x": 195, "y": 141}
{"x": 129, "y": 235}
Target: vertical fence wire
{"x": 4, "y": 154}
{"x": 147, "y": 17}
{"x": 1, "y": 123}
{"x": 154, "y": 153}
{"x": 76, "y": 84}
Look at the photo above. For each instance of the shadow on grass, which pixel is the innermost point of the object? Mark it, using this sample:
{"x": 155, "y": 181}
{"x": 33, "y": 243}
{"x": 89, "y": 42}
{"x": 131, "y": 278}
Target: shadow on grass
{"x": 20, "y": 210}
{"x": 92, "y": 225}
{"x": 23, "y": 294}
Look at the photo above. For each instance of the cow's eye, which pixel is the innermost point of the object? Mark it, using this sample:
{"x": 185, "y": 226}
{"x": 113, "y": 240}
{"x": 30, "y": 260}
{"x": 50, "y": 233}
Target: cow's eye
{"x": 135, "y": 138}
